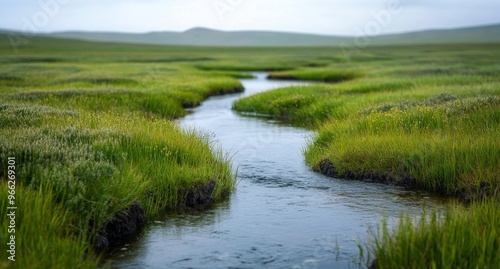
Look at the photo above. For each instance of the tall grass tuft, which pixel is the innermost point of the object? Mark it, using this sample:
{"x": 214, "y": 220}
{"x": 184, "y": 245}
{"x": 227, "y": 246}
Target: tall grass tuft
{"x": 46, "y": 235}
{"x": 457, "y": 238}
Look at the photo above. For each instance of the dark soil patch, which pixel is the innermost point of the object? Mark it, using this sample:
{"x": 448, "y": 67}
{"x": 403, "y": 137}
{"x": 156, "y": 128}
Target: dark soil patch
{"x": 123, "y": 226}
{"x": 467, "y": 196}
{"x": 327, "y": 168}
{"x": 129, "y": 223}
{"x": 201, "y": 196}
{"x": 482, "y": 192}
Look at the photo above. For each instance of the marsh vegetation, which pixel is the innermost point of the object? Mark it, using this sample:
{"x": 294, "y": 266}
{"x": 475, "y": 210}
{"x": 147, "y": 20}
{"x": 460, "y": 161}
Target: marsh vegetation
{"x": 90, "y": 125}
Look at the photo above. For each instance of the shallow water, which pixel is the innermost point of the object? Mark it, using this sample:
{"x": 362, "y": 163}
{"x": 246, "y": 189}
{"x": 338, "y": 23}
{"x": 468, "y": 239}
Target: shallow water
{"x": 281, "y": 215}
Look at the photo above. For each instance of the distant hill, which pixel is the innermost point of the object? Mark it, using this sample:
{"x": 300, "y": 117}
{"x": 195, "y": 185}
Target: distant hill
{"x": 210, "y": 37}
{"x": 480, "y": 34}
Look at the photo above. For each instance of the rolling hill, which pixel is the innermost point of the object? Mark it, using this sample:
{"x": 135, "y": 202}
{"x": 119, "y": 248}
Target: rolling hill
{"x": 209, "y": 37}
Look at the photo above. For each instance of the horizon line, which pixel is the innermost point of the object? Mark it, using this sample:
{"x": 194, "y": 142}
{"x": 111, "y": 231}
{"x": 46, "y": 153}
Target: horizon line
{"x": 244, "y": 30}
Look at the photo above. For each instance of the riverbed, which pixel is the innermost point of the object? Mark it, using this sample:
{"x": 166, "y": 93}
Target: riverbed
{"x": 281, "y": 214}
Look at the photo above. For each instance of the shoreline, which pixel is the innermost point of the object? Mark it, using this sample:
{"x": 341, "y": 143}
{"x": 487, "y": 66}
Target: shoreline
{"x": 131, "y": 221}
{"x": 327, "y": 168}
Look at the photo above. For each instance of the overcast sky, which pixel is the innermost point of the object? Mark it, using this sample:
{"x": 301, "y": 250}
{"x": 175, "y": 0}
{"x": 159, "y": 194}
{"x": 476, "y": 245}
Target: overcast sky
{"x": 332, "y": 17}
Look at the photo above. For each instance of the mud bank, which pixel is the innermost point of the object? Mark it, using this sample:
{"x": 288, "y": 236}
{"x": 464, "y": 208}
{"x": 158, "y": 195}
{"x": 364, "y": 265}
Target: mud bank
{"x": 200, "y": 197}
{"x": 124, "y": 225}
{"x": 327, "y": 168}
{"x": 128, "y": 223}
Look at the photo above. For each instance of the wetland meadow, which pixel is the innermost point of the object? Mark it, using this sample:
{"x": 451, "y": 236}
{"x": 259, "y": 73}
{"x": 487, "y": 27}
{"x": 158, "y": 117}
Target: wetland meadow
{"x": 104, "y": 149}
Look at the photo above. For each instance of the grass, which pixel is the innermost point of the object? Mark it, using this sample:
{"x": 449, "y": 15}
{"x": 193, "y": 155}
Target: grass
{"x": 92, "y": 135}
{"x": 316, "y": 74}
{"x": 45, "y": 235}
{"x": 94, "y": 164}
{"x": 447, "y": 148}
{"x": 399, "y": 116}
{"x": 90, "y": 125}
{"x": 457, "y": 238}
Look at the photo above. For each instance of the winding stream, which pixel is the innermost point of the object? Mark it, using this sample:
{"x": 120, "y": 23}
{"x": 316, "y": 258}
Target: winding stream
{"x": 281, "y": 215}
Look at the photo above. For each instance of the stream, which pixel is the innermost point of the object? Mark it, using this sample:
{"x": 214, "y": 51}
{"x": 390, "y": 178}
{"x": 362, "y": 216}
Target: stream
{"x": 281, "y": 215}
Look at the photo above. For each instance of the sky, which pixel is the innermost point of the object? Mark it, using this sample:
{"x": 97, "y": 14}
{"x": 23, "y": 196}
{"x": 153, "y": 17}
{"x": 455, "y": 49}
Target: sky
{"x": 328, "y": 17}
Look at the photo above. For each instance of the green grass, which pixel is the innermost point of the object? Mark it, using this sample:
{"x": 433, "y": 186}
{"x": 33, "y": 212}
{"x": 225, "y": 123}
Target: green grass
{"x": 316, "y": 74}
{"x": 45, "y": 233}
{"x": 458, "y": 238}
{"x": 92, "y": 133}
{"x": 90, "y": 125}
{"x": 93, "y": 165}
{"x": 447, "y": 148}
{"x": 432, "y": 116}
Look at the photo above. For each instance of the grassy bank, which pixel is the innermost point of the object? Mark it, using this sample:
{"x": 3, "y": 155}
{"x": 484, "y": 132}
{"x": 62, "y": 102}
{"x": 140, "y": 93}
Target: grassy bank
{"x": 93, "y": 165}
{"x": 316, "y": 74}
{"x": 91, "y": 131}
{"x": 429, "y": 115}
{"x": 425, "y": 117}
